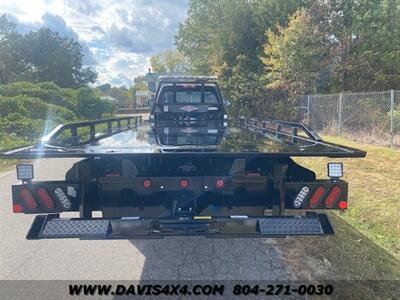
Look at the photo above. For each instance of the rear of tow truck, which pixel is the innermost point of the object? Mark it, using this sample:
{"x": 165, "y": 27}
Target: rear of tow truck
{"x": 185, "y": 189}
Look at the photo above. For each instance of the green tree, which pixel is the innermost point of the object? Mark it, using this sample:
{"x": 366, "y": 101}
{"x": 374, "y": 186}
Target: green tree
{"x": 12, "y": 64}
{"x": 216, "y": 32}
{"x": 198, "y": 36}
{"x": 337, "y": 45}
{"x": 368, "y": 35}
{"x": 56, "y": 58}
{"x": 104, "y": 88}
{"x": 122, "y": 95}
{"x": 226, "y": 38}
{"x": 295, "y": 55}
{"x": 41, "y": 55}
{"x": 168, "y": 62}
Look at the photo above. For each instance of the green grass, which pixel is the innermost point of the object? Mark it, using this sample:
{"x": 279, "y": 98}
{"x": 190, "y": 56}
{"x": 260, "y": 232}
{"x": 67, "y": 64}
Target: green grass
{"x": 374, "y": 191}
{"x": 357, "y": 267}
{"x": 10, "y": 142}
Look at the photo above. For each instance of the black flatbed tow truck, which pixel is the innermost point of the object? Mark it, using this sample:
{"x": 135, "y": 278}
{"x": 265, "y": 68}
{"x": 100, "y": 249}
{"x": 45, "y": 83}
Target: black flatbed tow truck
{"x": 153, "y": 181}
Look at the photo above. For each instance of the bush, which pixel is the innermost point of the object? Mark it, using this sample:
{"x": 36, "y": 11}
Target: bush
{"x": 46, "y": 91}
{"x": 28, "y": 110}
{"x": 33, "y": 108}
{"x": 16, "y": 124}
{"x": 91, "y": 106}
{"x": 12, "y": 141}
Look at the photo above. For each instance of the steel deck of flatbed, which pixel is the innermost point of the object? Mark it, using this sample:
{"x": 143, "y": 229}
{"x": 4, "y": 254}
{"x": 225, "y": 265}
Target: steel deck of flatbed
{"x": 235, "y": 140}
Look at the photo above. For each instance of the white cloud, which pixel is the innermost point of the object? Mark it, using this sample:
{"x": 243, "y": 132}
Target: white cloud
{"x": 117, "y": 37}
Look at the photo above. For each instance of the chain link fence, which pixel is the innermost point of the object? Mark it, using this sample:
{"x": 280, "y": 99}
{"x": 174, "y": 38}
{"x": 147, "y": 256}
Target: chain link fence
{"x": 372, "y": 117}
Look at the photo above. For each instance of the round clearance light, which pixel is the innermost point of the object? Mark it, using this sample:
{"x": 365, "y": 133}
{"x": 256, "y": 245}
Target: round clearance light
{"x": 220, "y": 184}
{"x": 183, "y": 183}
{"x": 17, "y": 208}
{"x": 342, "y": 205}
{"x": 147, "y": 183}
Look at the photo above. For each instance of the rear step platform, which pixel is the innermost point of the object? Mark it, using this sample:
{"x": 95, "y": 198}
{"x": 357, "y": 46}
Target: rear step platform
{"x": 64, "y": 228}
{"x": 289, "y": 226}
{"x": 53, "y": 227}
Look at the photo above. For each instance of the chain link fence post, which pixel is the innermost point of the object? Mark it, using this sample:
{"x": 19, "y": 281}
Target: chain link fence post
{"x": 340, "y": 115}
{"x": 391, "y": 118}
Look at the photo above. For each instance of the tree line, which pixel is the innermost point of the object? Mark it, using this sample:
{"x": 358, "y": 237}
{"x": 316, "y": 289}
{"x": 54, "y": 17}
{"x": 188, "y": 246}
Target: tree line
{"x": 41, "y": 55}
{"x": 43, "y": 83}
{"x": 269, "y": 52}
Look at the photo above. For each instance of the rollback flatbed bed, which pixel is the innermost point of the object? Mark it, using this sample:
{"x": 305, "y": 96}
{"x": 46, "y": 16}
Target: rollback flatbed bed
{"x": 152, "y": 182}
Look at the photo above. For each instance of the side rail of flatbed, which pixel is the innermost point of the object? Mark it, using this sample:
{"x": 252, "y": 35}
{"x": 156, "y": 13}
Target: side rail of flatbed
{"x": 90, "y": 131}
{"x": 279, "y": 128}
{"x": 75, "y": 134}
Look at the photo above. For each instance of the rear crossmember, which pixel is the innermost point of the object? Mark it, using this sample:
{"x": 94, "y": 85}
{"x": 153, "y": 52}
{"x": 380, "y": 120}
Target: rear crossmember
{"x": 53, "y": 227}
{"x": 45, "y": 197}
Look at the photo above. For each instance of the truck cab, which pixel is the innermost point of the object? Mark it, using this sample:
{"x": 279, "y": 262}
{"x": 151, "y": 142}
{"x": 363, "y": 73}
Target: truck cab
{"x": 188, "y": 101}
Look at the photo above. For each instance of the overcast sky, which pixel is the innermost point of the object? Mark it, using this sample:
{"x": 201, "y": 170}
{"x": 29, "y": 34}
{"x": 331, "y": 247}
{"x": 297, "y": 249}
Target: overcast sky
{"x": 118, "y": 37}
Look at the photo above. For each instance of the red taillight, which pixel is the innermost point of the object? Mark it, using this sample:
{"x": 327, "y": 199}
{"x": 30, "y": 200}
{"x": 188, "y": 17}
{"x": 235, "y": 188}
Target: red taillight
{"x": 342, "y": 205}
{"x": 45, "y": 198}
{"x": 28, "y": 198}
{"x": 183, "y": 183}
{"x": 219, "y": 184}
{"x": 332, "y": 197}
{"x": 147, "y": 183}
{"x": 17, "y": 208}
{"x": 316, "y": 197}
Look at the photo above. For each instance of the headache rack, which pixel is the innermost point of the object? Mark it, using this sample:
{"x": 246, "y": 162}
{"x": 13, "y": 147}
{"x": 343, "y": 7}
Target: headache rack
{"x": 186, "y": 79}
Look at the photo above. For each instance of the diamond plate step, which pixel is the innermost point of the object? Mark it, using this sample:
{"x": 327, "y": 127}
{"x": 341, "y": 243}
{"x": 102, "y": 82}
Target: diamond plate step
{"x": 62, "y": 228}
{"x": 286, "y": 226}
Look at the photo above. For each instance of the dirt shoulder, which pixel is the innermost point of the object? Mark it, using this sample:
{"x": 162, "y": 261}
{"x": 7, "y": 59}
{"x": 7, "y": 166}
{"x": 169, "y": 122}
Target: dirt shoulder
{"x": 356, "y": 266}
